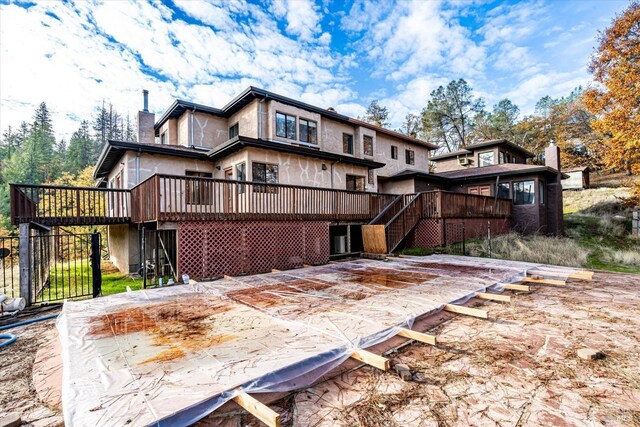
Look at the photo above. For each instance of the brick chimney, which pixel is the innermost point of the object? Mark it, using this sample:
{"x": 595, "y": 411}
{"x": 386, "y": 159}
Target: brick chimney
{"x": 554, "y": 190}
{"x": 146, "y": 120}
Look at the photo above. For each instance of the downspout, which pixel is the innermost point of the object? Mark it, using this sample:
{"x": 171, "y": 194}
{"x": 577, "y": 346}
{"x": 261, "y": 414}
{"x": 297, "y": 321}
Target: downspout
{"x": 138, "y": 167}
{"x": 191, "y": 127}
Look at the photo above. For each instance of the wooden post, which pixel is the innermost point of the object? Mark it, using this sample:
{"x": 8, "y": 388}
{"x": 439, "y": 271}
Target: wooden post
{"x": 494, "y": 297}
{"x": 461, "y": 309}
{"x": 24, "y": 262}
{"x": 516, "y": 287}
{"x": 372, "y": 359}
{"x": 418, "y": 336}
{"x": 258, "y": 409}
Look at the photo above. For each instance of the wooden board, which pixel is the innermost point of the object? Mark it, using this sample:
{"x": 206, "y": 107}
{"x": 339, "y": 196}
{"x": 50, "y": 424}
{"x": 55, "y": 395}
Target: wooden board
{"x": 372, "y": 359}
{"x": 516, "y": 287}
{"x": 461, "y": 309}
{"x": 374, "y": 239}
{"x": 418, "y": 336}
{"x": 494, "y": 297}
{"x": 544, "y": 281}
{"x": 258, "y": 409}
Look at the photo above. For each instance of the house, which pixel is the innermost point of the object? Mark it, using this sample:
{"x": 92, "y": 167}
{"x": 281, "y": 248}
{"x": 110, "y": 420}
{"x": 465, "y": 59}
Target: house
{"x": 498, "y": 169}
{"x": 271, "y": 182}
{"x": 578, "y": 178}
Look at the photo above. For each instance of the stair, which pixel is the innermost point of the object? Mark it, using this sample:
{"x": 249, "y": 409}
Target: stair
{"x": 391, "y": 226}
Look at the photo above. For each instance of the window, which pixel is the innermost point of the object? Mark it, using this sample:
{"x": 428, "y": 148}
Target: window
{"x": 486, "y": 159}
{"x": 410, "y": 157}
{"x": 163, "y": 138}
{"x": 264, "y": 172}
{"x": 513, "y": 159}
{"x": 234, "y": 131}
{"x": 371, "y": 178}
{"x": 503, "y": 191}
{"x": 367, "y": 145}
{"x": 541, "y": 192}
{"x": 524, "y": 193}
{"x": 198, "y": 191}
{"x": 394, "y": 152}
{"x": 355, "y": 183}
{"x": 285, "y": 126}
{"x": 241, "y": 175}
{"x": 501, "y": 157}
{"x": 347, "y": 143}
{"x": 308, "y": 131}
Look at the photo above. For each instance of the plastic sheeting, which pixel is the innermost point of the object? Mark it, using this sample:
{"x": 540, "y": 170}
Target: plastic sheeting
{"x": 170, "y": 356}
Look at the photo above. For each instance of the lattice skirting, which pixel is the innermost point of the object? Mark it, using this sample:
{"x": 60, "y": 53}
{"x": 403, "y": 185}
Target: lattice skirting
{"x": 430, "y": 233}
{"x": 208, "y": 249}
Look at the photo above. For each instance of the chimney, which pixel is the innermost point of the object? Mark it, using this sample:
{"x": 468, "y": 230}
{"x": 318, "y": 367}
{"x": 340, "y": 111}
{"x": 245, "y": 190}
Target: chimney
{"x": 146, "y": 121}
{"x": 145, "y": 94}
{"x": 554, "y": 191}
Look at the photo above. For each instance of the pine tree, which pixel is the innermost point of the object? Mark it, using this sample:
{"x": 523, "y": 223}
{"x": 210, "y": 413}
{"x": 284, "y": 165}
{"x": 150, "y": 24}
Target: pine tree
{"x": 376, "y": 114}
{"x": 82, "y": 150}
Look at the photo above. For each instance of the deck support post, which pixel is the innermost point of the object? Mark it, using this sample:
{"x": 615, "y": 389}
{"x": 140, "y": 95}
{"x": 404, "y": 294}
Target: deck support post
{"x": 24, "y": 262}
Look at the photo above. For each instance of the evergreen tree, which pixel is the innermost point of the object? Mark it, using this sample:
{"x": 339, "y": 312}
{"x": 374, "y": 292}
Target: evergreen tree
{"x": 82, "y": 149}
{"x": 376, "y": 114}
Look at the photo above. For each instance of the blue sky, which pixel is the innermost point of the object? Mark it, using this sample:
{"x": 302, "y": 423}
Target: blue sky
{"x": 342, "y": 54}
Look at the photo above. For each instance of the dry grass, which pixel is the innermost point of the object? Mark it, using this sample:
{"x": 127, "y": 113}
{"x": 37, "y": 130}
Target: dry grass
{"x": 630, "y": 258}
{"x": 595, "y": 201}
{"x": 539, "y": 249}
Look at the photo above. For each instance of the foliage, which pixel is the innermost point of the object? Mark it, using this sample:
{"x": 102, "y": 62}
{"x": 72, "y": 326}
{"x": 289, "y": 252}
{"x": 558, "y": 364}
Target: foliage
{"x": 411, "y": 125}
{"x": 499, "y": 124}
{"x": 448, "y": 118}
{"x": 377, "y": 114}
{"x": 616, "y": 100}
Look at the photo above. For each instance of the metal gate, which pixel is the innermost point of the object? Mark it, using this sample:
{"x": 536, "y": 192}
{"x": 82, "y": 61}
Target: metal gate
{"x": 10, "y": 267}
{"x": 64, "y": 265}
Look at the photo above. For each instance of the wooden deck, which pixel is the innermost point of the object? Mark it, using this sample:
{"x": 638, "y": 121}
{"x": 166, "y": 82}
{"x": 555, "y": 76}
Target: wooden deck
{"x": 180, "y": 198}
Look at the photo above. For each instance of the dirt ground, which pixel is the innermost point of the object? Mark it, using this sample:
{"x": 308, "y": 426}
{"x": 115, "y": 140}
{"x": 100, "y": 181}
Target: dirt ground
{"x": 519, "y": 368}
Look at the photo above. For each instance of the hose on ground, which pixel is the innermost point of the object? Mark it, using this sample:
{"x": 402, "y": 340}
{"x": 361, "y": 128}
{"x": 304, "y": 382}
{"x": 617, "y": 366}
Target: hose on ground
{"x": 10, "y": 338}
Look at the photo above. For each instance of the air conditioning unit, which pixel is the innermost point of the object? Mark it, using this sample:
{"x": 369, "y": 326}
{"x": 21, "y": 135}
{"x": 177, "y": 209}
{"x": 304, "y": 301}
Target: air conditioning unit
{"x": 464, "y": 161}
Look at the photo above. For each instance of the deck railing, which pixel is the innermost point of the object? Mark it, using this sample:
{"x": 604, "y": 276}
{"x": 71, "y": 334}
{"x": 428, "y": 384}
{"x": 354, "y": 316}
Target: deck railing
{"x": 59, "y": 205}
{"x": 180, "y": 198}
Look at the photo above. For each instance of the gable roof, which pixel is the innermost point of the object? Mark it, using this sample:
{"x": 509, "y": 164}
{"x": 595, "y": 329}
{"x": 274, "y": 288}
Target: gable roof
{"x": 245, "y": 97}
{"x": 114, "y": 150}
{"x": 469, "y": 149}
{"x": 497, "y": 170}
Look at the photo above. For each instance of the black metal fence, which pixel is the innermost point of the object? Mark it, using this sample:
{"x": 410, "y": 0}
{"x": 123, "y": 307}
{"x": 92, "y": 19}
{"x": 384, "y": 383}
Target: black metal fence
{"x": 458, "y": 240}
{"x": 10, "y": 269}
{"x": 64, "y": 265}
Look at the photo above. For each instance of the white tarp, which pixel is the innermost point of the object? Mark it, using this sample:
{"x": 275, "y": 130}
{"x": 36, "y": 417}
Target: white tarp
{"x": 173, "y": 355}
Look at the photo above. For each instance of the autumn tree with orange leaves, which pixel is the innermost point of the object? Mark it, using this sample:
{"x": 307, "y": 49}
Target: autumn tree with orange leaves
{"x": 615, "y": 101}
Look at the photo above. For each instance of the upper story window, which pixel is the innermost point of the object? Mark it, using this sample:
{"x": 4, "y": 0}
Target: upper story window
{"x": 267, "y": 173}
{"x": 410, "y": 157}
{"x": 486, "y": 159}
{"x": 371, "y": 178}
{"x": 501, "y": 157}
{"x": 234, "y": 131}
{"x": 285, "y": 126}
{"x": 394, "y": 152}
{"x": 163, "y": 138}
{"x": 308, "y": 131}
{"x": 367, "y": 145}
{"x": 347, "y": 143}
{"x": 524, "y": 192}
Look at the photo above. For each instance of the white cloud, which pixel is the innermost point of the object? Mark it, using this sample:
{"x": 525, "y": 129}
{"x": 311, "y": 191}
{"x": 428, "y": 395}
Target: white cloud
{"x": 302, "y": 16}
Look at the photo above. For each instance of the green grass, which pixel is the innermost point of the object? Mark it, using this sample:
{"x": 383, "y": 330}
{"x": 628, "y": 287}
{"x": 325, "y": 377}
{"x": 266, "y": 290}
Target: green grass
{"x": 113, "y": 283}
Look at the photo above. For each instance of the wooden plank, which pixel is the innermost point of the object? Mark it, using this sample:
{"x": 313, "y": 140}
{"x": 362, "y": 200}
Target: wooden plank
{"x": 418, "y": 336}
{"x": 494, "y": 297}
{"x": 516, "y": 287}
{"x": 544, "y": 281}
{"x": 461, "y": 309}
{"x": 374, "y": 239}
{"x": 258, "y": 409}
{"x": 372, "y": 359}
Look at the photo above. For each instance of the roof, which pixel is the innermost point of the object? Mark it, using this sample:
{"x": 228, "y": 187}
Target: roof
{"x": 469, "y": 149}
{"x": 114, "y": 150}
{"x": 240, "y": 142}
{"x": 578, "y": 169}
{"x": 251, "y": 93}
{"x": 497, "y": 170}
